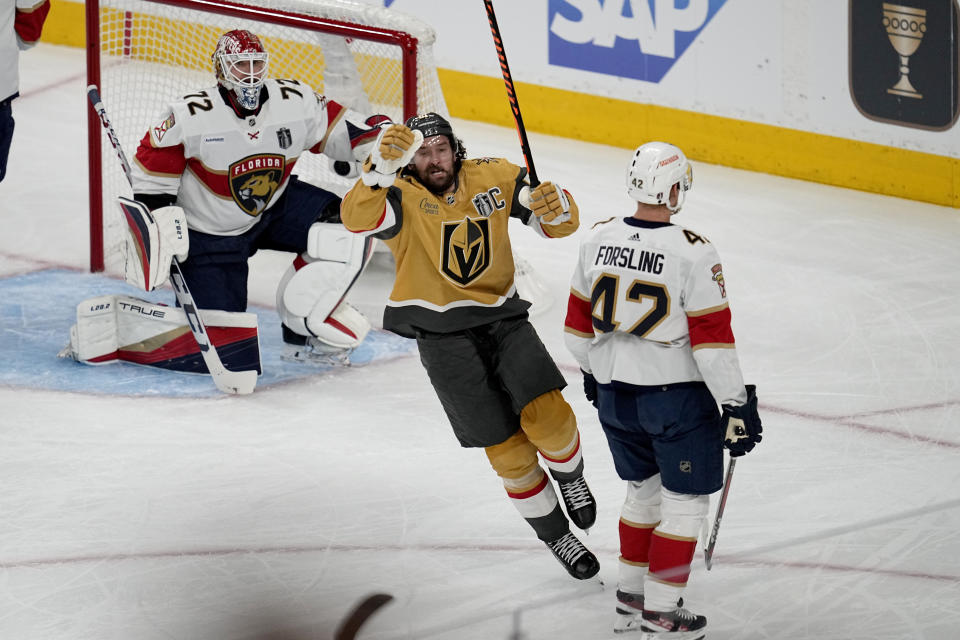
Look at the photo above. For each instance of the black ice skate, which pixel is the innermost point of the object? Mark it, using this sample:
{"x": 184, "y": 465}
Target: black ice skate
{"x": 581, "y": 507}
{"x": 679, "y": 624}
{"x": 629, "y": 610}
{"x": 575, "y": 558}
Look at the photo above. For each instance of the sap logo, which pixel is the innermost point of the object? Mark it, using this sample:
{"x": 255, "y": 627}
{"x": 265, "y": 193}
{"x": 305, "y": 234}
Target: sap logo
{"x": 639, "y": 39}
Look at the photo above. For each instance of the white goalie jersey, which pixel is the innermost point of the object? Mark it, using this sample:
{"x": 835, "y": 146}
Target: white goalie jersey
{"x": 226, "y": 170}
{"x": 648, "y": 306}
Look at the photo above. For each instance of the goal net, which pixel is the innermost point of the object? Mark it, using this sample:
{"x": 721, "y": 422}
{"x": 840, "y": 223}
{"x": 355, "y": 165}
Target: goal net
{"x": 144, "y": 53}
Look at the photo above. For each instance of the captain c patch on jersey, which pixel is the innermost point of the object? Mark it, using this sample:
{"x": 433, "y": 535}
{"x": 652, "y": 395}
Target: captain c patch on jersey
{"x": 254, "y": 180}
{"x": 465, "y": 249}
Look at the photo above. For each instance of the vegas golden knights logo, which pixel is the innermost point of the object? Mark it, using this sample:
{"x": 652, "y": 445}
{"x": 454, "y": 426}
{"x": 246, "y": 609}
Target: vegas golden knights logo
{"x": 466, "y": 249}
{"x": 254, "y": 180}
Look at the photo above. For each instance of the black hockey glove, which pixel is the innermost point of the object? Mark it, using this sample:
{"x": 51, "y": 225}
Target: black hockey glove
{"x": 741, "y": 425}
{"x": 589, "y": 387}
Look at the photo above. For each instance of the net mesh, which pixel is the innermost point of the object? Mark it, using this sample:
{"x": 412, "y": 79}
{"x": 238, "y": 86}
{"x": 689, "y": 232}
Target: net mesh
{"x": 152, "y": 52}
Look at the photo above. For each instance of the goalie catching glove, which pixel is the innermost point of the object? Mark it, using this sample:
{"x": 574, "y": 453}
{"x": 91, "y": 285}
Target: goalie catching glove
{"x": 741, "y": 425}
{"x": 155, "y": 238}
{"x": 549, "y": 203}
{"x": 392, "y": 151}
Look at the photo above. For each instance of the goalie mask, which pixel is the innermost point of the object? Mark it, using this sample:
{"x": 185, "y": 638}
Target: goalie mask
{"x": 240, "y": 63}
{"x": 655, "y": 168}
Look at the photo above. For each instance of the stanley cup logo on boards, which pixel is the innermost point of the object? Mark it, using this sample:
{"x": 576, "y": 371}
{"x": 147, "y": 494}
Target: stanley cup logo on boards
{"x": 904, "y": 61}
{"x": 905, "y": 27}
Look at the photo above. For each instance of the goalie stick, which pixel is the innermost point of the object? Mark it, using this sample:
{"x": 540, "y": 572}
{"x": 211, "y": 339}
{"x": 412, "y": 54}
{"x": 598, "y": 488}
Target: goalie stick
{"x": 238, "y": 382}
{"x": 708, "y": 550}
{"x": 350, "y": 626}
{"x": 511, "y": 93}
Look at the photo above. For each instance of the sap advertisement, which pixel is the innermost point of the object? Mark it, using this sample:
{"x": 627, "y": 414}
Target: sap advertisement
{"x": 871, "y": 70}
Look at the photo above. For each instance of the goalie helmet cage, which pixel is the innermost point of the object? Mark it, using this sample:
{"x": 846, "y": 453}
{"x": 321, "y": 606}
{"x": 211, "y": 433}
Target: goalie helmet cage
{"x": 142, "y": 54}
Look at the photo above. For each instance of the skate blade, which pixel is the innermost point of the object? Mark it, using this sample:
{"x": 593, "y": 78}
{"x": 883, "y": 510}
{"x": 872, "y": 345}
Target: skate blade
{"x": 625, "y": 622}
{"x": 316, "y": 360}
{"x": 672, "y": 635}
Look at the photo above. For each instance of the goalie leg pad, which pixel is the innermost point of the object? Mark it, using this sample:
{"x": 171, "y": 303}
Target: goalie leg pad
{"x": 120, "y": 328}
{"x": 310, "y": 295}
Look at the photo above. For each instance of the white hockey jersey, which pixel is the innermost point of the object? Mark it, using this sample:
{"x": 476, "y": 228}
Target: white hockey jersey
{"x": 648, "y": 306}
{"x": 21, "y": 22}
{"x": 225, "y": 169}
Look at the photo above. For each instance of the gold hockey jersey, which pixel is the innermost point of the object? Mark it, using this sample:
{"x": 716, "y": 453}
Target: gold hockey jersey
{"x": 454, "y": 263}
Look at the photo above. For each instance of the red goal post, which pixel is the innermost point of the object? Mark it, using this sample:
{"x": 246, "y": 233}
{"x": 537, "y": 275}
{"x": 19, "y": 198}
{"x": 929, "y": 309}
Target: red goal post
{"x": 144, "y": 53}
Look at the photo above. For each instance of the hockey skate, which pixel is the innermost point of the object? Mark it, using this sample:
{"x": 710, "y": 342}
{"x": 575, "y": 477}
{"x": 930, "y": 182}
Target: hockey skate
{"x": 317, "y": 353}
{"x": 679, "y": 624}
{"x": 629, "y": 610}
{"x": 575, "y": 558}
{"x": 581, "y": 507}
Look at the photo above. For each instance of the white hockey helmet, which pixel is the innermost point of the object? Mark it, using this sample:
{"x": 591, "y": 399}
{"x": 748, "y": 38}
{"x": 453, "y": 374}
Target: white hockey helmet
{"x": 240, "y": 62}
{"x": 655, "y": 168}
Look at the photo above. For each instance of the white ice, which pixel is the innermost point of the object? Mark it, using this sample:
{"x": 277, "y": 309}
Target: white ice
{"x": 269, "y": 516}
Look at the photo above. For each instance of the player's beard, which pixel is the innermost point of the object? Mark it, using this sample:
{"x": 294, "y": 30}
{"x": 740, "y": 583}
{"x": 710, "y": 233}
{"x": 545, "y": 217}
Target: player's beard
{"x": 437, "y": 179}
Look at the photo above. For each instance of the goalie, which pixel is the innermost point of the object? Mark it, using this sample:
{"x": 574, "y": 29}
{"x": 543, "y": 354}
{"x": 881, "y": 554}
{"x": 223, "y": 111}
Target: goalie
{"x": 213, "y": 179}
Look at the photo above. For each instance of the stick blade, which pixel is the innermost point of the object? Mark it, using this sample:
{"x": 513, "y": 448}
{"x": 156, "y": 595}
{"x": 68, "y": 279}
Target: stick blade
{"x": 236, "y": 382}
{"x": 362, "y": 612}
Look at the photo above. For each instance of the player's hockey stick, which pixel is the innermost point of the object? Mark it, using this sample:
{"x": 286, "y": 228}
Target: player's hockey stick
{"x": 239, "y": 382}
{"x": 511, "y": 93}
{"x": 350, "y": 626}
{"x": 708, "y": 550}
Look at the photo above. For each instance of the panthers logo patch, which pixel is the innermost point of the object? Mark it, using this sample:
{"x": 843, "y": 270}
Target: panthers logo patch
{"x": 254, "y": 180}
{"x": 466, "y": 250}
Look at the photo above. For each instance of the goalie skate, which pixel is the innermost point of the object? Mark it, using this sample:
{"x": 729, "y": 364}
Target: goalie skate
{"x": 316, "y": 353}
{"x": 309, "y": 350}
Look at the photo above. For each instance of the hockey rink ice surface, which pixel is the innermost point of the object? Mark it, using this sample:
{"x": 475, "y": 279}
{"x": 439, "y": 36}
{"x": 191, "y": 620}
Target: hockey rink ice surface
{"x": 172, "y": 517}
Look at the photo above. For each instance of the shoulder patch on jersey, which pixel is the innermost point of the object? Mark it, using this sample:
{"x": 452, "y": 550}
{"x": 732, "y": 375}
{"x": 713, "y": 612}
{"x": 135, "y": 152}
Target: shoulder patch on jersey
{"x": 161, "y": 129}
{"x": 479, "y": 161}
{"x": 717, "y": 272}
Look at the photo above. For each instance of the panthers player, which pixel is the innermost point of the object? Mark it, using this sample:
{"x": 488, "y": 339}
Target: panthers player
{"x": 224, "y": 155}
{"x": 445, "y": 219}
{"x": 649, "y": 323}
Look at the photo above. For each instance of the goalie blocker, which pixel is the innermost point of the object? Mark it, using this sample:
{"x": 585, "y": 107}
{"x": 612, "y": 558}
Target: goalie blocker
{"x": 117, "y": 328}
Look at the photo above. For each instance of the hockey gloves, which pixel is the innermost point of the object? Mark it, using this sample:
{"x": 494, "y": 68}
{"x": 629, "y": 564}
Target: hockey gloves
{"x": 550, "y": 203}
{"x": 590, "y": 387}
{"x": 392, "y": 151}
{"x": 741, "y": 425}
{"x": 155, "y": 238}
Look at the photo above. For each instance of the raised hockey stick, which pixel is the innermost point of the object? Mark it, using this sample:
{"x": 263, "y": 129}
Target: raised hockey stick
{"x": 511, "y": 93}
{"x": 708, "y": 550}
{"x": 239, "y": 382}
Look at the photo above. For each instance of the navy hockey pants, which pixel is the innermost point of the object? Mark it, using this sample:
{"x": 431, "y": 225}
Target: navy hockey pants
{"x": 216, "y": 269}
